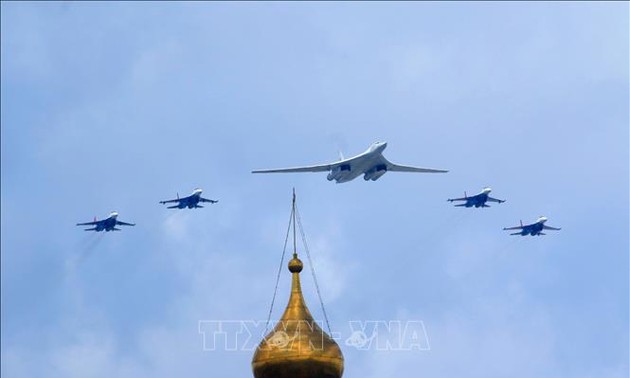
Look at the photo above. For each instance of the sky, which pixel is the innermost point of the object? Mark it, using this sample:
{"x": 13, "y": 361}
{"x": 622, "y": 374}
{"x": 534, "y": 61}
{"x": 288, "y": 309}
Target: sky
{"x": 116, "y": 106}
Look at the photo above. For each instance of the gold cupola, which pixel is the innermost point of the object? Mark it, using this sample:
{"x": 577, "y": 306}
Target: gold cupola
{"x": 297, "y": 347}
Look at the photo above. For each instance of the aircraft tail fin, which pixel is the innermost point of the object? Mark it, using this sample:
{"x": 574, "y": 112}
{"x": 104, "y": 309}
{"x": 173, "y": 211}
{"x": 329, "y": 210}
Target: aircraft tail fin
{"x": 516, "y": 233}
{"x": 460, "y": 205}
{"x": 341, "y": 157}
{"x": 521, "y": 223}
{"x": 173, "y": 207}
{"x": 90, "y": 229}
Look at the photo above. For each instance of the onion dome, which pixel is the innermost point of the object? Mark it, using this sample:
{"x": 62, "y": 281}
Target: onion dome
{"x": 297, "y": 347}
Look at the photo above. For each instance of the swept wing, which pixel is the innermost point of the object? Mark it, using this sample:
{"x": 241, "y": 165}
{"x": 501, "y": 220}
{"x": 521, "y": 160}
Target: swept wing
{"x": 405, "y": 168}
{"x": 495, "y": 200}
{"x": 550, "y": 228}
{"x": 89, "y": 223}
{"x": 515, "y": 228}
{"x": 124, "y": 223}
{"x": 310, "y": 168}
{"x": 171, "y": 201}
{"x": 458, "y": 199}
{"x": 201, "y": 199}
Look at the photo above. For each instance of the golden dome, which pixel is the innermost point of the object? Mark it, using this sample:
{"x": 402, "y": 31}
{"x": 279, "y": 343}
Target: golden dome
{"x": 297, "y": 347}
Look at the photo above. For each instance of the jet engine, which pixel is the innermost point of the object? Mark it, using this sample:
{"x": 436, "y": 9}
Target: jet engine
{"x": 338, "y": 172}
{"x": 375, "y": 173}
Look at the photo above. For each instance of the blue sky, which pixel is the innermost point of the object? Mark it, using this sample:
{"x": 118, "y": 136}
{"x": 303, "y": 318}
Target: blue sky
{"x": 115, "y": 106}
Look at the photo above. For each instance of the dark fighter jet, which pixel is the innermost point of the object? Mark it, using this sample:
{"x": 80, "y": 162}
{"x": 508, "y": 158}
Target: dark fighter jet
{"x": 108, "y": 224}
{"x": 478, "y": 200}
{"x": 191, "y": 202}
{"x": 532, "y": 229}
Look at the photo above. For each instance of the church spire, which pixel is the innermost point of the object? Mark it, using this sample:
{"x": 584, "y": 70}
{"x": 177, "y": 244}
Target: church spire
{"x": 297, "y": 347}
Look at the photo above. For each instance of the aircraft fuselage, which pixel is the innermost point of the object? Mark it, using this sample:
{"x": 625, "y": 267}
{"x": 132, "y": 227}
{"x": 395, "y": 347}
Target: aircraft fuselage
{"x": 477, "y": 201}
{"x": 106, "y": 225}
{"x": 369, "y": 163}
{"x": 190, "y": 202}
{"x": 533, "y": 229}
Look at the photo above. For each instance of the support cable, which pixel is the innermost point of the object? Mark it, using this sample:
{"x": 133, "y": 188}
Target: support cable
{"x": 284, "y": 250}
{"x": 310, "y": 263}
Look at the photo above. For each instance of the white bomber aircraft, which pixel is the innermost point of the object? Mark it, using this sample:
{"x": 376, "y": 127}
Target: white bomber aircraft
{"x": 371, "y": 164}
